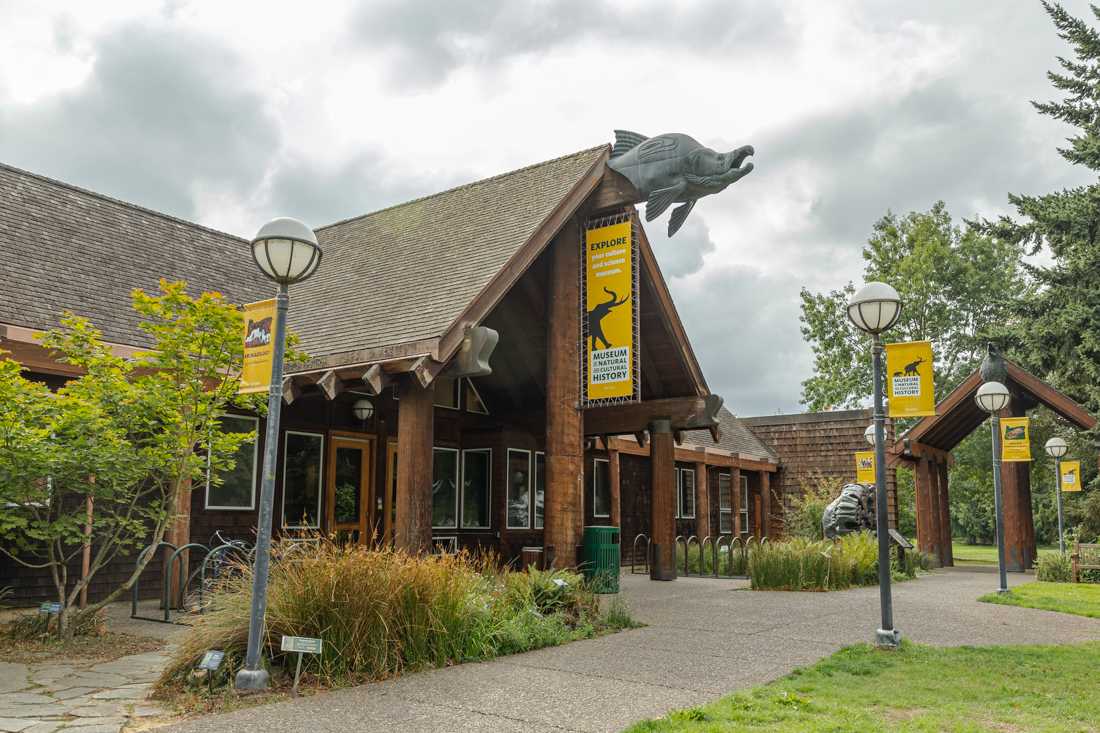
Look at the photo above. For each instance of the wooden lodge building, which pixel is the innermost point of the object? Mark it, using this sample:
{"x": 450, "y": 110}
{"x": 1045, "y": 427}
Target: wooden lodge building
{"x": 506, "y": 460}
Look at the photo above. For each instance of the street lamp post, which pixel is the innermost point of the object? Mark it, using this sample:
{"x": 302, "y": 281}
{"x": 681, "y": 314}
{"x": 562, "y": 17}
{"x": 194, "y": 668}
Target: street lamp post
{"x": 993, "y": 397}
{"x": 874, "y": 309}
{"x": 287, "y": 252}
{"x": 1056, "y": 448}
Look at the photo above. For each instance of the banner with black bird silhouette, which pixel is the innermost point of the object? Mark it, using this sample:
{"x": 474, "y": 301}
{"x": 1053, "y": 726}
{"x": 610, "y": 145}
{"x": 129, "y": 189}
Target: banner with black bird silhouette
{"x": 259, "y": 330}
{"x": 909, "y": 379}
{"x": 610, "y": 299}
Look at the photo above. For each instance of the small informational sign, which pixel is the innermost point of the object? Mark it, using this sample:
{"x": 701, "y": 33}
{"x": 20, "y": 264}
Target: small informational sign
{"x": 212, "y": 660}
{"x": 909, "y": 379}
{"x": 53, "y": 608}
{"x": 865, "y": 467}
{"x": 610, "y": 300}
{"x": 301, "y": 644}
{"x": 1070, "y": 476}
{"x": 1015, "y": 439}
{"x": 259, "y": 334}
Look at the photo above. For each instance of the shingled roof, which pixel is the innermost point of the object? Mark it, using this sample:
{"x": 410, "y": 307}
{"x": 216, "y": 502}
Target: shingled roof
{"x": 734, "y": 437}
{"x": 66, "y": 248}
{"x": 404, "y": 275}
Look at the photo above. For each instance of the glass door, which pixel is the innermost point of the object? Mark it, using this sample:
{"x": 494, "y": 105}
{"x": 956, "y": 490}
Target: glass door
{"x": 348, "y": 492}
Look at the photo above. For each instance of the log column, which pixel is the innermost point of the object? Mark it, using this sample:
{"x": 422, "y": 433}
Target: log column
{"x": 935, "y": 530}
{"x": 613, "y": 479}
{"x": 564, "y": 499}
{"x": 765, "y": 504}
{"x": 415, "y": 423}
{"x": 662, "y": 506}
{"x": 947, "y": 558}
{"x": 1016, "y": 495}
{"x": 702, "y": 501}
{"x": 922, "y": 481}
{"x": 735, "y": 502}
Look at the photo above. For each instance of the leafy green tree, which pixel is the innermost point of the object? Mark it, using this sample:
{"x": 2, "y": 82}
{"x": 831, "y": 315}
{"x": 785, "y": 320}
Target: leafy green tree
{"x": 128, "y": 434}
{"x": 958, "y": 287}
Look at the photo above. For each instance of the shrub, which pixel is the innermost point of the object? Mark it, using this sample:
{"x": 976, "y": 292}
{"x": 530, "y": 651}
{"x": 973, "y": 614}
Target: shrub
{"x": 1054, "y": 568}
{"x": 800, "y": 564}
{"x": 804, "y": 517}
{"x": 382, "y": 612}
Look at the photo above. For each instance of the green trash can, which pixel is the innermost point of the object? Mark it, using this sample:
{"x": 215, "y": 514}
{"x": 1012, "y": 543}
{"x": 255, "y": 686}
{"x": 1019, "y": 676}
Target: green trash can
{"x": 600, "y": 554}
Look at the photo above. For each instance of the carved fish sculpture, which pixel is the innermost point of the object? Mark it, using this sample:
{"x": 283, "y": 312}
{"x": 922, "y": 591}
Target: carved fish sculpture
{"x": 675, "y": 168}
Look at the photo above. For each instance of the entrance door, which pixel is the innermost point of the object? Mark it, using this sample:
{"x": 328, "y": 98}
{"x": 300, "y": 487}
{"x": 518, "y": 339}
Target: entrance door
{"x": 347, "y": 497}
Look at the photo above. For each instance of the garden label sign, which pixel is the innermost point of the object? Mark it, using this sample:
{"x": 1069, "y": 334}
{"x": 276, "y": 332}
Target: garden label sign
{"x": 1071, "y": 476}
{"x": 865, "y": 467}
{"x": 609, "y": 295}
{"x": 259, "y": 325}
{"x": 1015, "y": 439}
{"x": 909, "y": 379}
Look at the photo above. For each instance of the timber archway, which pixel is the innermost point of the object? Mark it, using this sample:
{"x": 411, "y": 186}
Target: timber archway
{"x": 927, "y": 447}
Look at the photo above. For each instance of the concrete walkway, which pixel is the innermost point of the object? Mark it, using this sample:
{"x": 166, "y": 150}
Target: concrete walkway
{"x": 704, "y": 639}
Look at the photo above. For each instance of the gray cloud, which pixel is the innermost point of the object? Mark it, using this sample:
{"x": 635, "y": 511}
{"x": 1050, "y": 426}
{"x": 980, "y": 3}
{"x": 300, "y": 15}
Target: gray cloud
{"x": 743, "y": 326}
{"x": 427, "y": 40}
{"x": 163, "y": 113}
{"x": 682, "y": 255}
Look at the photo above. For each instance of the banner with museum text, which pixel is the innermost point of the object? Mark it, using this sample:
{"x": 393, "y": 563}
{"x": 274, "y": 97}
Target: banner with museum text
{"x": 259, "y": 329}
{"x": 865, "y": 467}
{"x": 909, "y": 379}
{"x": 1015, "y": 439}
{"x": 1071, "y": 475}
{"x": 609, "y": 323}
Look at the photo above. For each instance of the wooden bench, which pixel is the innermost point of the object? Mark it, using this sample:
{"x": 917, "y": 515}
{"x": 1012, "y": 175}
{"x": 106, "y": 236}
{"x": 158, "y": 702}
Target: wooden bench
{"x": 1094, "y": 552}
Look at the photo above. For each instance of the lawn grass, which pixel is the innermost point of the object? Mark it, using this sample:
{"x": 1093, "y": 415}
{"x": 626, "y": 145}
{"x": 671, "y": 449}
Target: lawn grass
{"x": 1080, "y": 599}
{"x": 985, "y": 554}
{"x": 918, "y": 688}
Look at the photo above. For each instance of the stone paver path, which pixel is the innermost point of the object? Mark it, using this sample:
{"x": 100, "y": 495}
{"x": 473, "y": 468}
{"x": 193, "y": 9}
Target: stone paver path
{"x": 88, "y": 697}
{"x": 704, "y": 638}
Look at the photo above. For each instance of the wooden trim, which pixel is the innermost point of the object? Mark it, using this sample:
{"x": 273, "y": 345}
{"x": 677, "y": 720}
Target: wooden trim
{"x": 685, "y": 413}
{"x": 388, "y": 493}
{"x": 384, "y": 355}
{"x": 710, "y": 457}
{"x": 1051, "y": 397}
{"x": 502, "y": 282}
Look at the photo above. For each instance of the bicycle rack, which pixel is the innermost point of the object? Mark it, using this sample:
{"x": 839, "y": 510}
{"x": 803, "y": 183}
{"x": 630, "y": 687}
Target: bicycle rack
{"x": 151, "y": 549}
{"x": 634, "y": 555}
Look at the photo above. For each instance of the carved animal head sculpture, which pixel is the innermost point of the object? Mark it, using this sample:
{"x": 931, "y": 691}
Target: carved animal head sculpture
{"x": 674, "y": 168}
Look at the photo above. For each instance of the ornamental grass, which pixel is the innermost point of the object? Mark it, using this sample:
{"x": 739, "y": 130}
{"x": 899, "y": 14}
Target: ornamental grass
{"x": 380, "y": 613}
{"x": 803, "y": 565}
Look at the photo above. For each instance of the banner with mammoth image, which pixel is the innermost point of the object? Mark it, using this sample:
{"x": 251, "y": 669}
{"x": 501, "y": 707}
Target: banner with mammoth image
{"x": 609, "y": 323}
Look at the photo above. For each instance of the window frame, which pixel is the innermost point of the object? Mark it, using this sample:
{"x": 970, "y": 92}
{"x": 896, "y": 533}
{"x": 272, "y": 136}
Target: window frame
{"x": 681, "y": 472}
{"x": 320, "y": 480}
{"x": 466, "y": 403}
{"x": 458, "y": 486}
{"x": 207, "y": 506}
{"x": 508, "y": 489}
{"x": 456, "y": 390}
{"x": 725, "y": 511}
{"x": 607, "y": 462}
{"x": 743, "y": 509}
{"x": 488, "y": 489}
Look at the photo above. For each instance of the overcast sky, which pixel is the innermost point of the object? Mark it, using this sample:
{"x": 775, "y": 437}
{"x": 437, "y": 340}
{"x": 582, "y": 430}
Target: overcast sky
{"x": 227, "y": 113}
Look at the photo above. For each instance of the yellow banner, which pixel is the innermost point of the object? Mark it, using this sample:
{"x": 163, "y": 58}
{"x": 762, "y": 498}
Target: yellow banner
{"x": 909, "y": 379}
{"x": 865, "y": 467}
{"x": 259, "y": 332}
{"x": 1071, "y": 476}
{"x": 610, "y": 301}
{"x": 1015, "y": 439}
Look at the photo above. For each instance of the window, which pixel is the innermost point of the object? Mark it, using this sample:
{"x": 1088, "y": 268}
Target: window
{"x": 235, "y": 488}
{"x": 445, "y": 488}
{"x": 473, "y": 400}
{"x": 477, "y": 469}
{"x": 725, "y": 504}
{"x": 519, "y": 489}
{"x": 540, "y": 487}
{"x": 744, "y": 504}
{"x": 686, "y": 492}
{"x": 601, "y": 488}
{"x": 446, "y": 393}
{"x": 302, "y": 463}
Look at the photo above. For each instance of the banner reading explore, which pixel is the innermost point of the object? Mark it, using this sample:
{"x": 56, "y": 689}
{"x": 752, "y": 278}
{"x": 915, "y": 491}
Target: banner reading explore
{"x": 1015, "y": 439}
{"x": 259, "y": 330}
{"x": 610, "y": 304}
{"x": 909, "y": 379}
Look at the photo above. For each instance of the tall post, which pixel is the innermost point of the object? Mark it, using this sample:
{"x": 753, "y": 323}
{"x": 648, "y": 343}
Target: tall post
{"x": 948, "y": 553}
{"x": 702, "y": 500}
{"x": 934, "y": 510}
{"x": 1058, "y": 496}
{"x": 616, "y": 491}
{"x": 564, "y": 499}
{"x": 765, "y": 504}
{"x": 253, "y": 676}
{"x": 415, "y": 436}
{"x": 887, "y": 635}
{"x": 998, "y": 505}
{"x": 662, "y": 505}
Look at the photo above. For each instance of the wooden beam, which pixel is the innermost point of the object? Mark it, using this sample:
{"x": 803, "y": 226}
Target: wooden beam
{"x": 426, "y": 369}
{"x": 683, "y": 413}
{"x": 662, "y": 503}
{"x": 292, "y": 390}
{"x": 640, "y": 436}
{"x": 376, "y": 379}
{"x": 330, "y": 384}
{"x": 947, "y": 558}
{"x": 702, "y": 500}
{"x": 415, "y": 422}
{"x": 613, "y": 478}
{"x": 614, "y": 192}
{"x": 1051, "y": 397}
